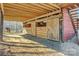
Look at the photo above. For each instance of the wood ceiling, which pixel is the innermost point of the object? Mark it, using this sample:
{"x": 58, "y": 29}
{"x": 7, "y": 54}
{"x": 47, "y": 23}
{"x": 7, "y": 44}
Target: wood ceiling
{"x": 25, "y": 11}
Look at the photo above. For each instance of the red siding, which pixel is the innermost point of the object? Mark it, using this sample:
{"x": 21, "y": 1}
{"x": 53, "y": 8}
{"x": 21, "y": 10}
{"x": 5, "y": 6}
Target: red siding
{"x": 68, "y": 28}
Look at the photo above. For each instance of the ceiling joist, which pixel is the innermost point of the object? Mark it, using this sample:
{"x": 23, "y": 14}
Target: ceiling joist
{"x": 27, "y": 11}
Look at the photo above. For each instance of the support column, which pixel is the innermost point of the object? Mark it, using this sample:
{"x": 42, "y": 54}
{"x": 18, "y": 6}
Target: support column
{"x": 1, "y": 24}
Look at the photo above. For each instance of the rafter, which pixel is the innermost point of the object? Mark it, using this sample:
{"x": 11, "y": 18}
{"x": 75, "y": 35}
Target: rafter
{"x": 17, "y": 13}
{"x": 16, "y": 16}
{"x": 15, "y": 19}
{"x": 76, "y": 5}
{"x": 19, "y": 10}
{"x": 54, "y": 5}
{"x": 49, "y": 7}
{"x": 30, "y": 7}
{"x": 43, "y": 7}
{"x": 34, "y": 6}
{"x": 32, "y": 10}
{"x": 26, "y": 9}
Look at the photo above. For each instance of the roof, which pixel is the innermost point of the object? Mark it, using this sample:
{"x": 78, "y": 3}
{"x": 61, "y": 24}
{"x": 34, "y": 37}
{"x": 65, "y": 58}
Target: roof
{"x": 26, "y": 11}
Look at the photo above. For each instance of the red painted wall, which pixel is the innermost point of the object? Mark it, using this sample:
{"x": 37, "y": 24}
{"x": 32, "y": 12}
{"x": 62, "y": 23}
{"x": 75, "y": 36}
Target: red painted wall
{"x": 67, "y": 26}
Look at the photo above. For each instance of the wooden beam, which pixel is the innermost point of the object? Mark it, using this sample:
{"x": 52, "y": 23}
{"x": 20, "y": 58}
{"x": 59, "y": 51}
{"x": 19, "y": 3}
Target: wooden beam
{"x": 76, "y": 5}
{"x": 69, "y": 8}
{"x": 43, "y": 7}
{"x": 16, "y": 16}
{"x": 1, "y": 21}
{"x": 46, "y": 5}
{"x": 20, "y": 7}
{"x": 58, "y": 11}
{"x": 74, "y": 9}
{"x": 66, "y": 5}
{"x": 19, "y": 10}
{"x": 29, "y": 7}
{"x": 35, "y": 6}
{"x": 17, "y": 13}
{"x": 10, "y": 18}
{"x": 54, "y": 5}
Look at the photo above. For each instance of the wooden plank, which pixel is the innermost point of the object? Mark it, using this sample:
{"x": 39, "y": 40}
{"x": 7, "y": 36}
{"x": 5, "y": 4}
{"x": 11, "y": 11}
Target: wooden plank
{"x": 76, "y": 5}
{"x": 74, "y": 9}
{"x": 18, "y": 10}
{"x": 53, "y": 28}
{"x": 36, "y": 6}
{"x": 26, "y": 14}
{"x": 40, "y": 6}
{"x": 58, "y": 11}
{"x": 22, "y": 8}
{"x": 48, "y": 6}
{"x": 1, "y": 22}
{"x": 54, "y": 5}
{"x": 42, "y": 31}
{"x": 15, "y": 18}
{"x": 32, "y": 7}
{"x": 17, "y": 14}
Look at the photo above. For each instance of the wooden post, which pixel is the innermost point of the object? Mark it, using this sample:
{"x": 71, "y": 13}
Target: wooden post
{"x": 1, "y": 23}
{"x": 77, "y": 29}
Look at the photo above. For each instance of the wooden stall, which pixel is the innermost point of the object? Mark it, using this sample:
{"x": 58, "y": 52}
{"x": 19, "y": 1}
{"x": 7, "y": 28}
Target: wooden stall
{"x": 45, "y": 27}
{"x": 41, "y": 28}
{"x": 30, "y": 27}
{"x": 53, "y": 28}
{"x": 40, "y": 19}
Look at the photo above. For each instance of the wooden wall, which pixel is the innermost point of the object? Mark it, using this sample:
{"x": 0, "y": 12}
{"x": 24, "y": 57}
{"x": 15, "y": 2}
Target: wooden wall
{"x": 53, "y": 28}
{"x": 42, "y": 31}
{"x": 51, "y": 31}
{"x": 31, "y": 29}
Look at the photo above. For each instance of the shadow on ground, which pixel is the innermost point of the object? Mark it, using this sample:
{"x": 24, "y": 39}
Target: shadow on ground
{"x": 47, "y": 42}
{"x": 68, "y": 48}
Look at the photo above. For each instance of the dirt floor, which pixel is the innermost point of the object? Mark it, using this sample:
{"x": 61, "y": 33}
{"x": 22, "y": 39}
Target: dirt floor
{"x": 26, "y": 47}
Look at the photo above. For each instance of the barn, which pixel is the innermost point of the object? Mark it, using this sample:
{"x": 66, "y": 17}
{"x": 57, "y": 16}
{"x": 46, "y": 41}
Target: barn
{"x": 33, "y": 24}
